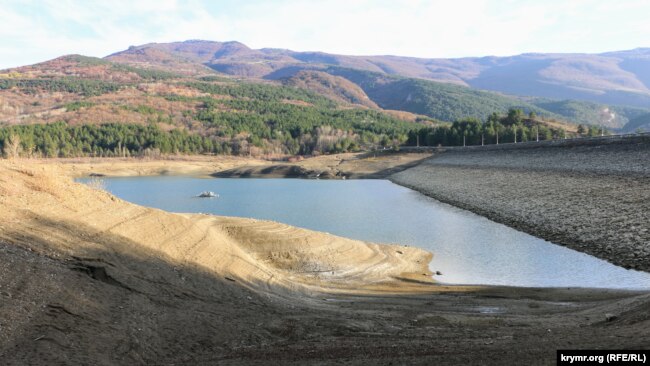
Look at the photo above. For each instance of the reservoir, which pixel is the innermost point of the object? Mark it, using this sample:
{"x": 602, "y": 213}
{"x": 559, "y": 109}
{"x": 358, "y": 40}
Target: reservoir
{"x": 467, "y": 248}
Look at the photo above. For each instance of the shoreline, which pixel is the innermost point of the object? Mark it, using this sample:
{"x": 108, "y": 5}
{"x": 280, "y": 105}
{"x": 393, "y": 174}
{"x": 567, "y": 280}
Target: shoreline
{"x": 642, "y": 283}
{"x": 393, "y": 167}
{"x": 336, "y": 166}
{"x": 194, "y": 165}
{"x": 87, "y": 276}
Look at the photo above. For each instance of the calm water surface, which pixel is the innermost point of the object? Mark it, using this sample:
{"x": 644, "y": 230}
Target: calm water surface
{"x": 468, "y": 249}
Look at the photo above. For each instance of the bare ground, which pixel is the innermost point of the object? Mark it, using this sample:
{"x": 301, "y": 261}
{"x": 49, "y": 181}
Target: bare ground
{"x": 380, "y": 164}
{"x": 126, "y": 167}
{"x": 86, "y": 278}
{"x": 349, "y": 165}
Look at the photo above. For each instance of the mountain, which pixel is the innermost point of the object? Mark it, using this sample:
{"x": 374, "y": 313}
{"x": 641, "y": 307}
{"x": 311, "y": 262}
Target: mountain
{"x": 449, "y": 102}
{"x": 442, "y": 101}
{"x": 83, "y": 106}
{"x": 96, "y": 79}
{"x": 590, "y": 113}
{"x": 226, "y": 98}
{"x": 403, "y": 97}
{"x": 621, "y": 78}
{"x": 640, "y": 123}
{"x": 334, "y": 87}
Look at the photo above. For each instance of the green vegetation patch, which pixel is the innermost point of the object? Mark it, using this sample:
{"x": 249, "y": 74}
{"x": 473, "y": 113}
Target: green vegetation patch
{"x": 263, "y": 92}
{"x": 86, "y": 60}
{"x": 77, "y": 105}
{"x": 147, "y": 74}
{"x": 515, "y": 126}
{"x": 590, "y": 113}
{"x": 84, "y": 87}
{"x": 442, "y": 101}
{"x": 62, "y": 140}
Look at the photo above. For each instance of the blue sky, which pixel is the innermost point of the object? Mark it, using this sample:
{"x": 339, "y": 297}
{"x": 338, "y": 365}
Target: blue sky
{"x": 32, "y": 31}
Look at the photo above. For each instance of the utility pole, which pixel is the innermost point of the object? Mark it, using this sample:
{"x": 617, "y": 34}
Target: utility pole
{"x": 497, "y": 131}
{"x": 463, "y": 140}
{"x": 537, "y": 132}
{"x": 417, "y": 139}
{"x": 482, "y": 138}
{"x": 515, "y": 134}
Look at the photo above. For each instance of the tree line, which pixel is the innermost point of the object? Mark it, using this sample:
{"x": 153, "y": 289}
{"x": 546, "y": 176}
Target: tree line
{"x": 123, "y": 140}
{"x": 107, "y": 140}
{"x": 84, "y": 87}
{"x": 513, "y": 127}
{"x": 268, "y": 128}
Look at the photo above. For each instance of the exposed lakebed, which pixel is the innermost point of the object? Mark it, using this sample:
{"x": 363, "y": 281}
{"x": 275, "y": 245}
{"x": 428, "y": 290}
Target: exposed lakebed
{"x": 468, "y": 249}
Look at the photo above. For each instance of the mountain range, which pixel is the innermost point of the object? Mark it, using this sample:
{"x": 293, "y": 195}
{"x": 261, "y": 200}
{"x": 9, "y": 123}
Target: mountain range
{"x": 595, "y": 82}
{"x": 608, "y": 89}
{"x": 614, "y": 78}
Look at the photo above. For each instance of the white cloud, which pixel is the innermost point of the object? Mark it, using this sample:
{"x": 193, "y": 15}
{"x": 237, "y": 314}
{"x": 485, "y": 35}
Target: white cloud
{"x": 33, "y": 31}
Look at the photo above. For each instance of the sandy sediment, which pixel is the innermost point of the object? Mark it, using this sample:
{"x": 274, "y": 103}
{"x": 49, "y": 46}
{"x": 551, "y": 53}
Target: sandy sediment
{"x": 349, "y": 165}
{"x": 251, "y": 251}
{"x": 593, "y": 198}
{"x": 86, "y": 278}
{"x": 127, "y": 167}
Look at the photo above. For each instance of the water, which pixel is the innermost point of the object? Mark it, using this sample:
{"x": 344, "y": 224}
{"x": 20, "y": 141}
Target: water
{"x": 468, "y": 249}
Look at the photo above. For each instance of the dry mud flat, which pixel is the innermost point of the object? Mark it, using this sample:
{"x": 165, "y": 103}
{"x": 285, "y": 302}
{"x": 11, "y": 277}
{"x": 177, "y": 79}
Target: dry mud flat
{"x": 380, "y": 164}
{"x": 349, "y": 165}
{"x": 196, "y": 165}
{"x": 86, "y": 278}
{"x": 592, "y": 198}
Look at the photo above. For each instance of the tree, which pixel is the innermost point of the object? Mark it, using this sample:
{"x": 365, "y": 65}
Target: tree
{"x": 515, "y": 116}
{"x": 581, "y": 129}
{"x": 593, "y": 131}
{"x": 494, "y": 118}
{"x": 12, "y": 147}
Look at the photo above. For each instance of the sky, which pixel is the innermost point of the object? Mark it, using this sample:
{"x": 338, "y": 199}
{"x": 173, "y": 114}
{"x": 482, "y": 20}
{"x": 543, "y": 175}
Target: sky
{"x": 33, "y": 31}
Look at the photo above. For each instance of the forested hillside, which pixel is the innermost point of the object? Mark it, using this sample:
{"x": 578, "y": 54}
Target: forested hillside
{"x": 590, "y": 113}
{"x": 92, "y": 107}
{"x": 640, "y": 123}
{"x": 83, "y": 106}
{"x": 445, "y": 102}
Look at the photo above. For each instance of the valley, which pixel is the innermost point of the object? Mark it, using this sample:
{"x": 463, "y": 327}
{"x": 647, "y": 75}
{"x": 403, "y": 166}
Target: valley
{"x": 153, "y": 274}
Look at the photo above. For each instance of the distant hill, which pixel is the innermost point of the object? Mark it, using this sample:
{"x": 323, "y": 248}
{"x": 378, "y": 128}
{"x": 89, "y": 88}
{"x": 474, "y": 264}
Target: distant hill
{"x": 83, "y": 106}
{"x": 84, "y": 67}
{"x": 449, "y": 102}
{"x": 640, "y": 123}
{"x": 225, "y": 98}
{"x": 442, "y": 101}
{"x": 590, "y": 113}
{"x": 619, "y": 78}
{"x": 403, "y": 97}
{"x": 332, "y": 86}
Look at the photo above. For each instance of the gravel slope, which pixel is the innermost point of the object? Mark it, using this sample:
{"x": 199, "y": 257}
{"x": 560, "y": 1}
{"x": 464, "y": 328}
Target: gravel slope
{"x": 593, "y": 198}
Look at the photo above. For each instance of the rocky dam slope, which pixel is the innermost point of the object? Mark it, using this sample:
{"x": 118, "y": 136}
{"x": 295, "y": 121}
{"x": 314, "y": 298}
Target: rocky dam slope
{"x": 592, "y": 195}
